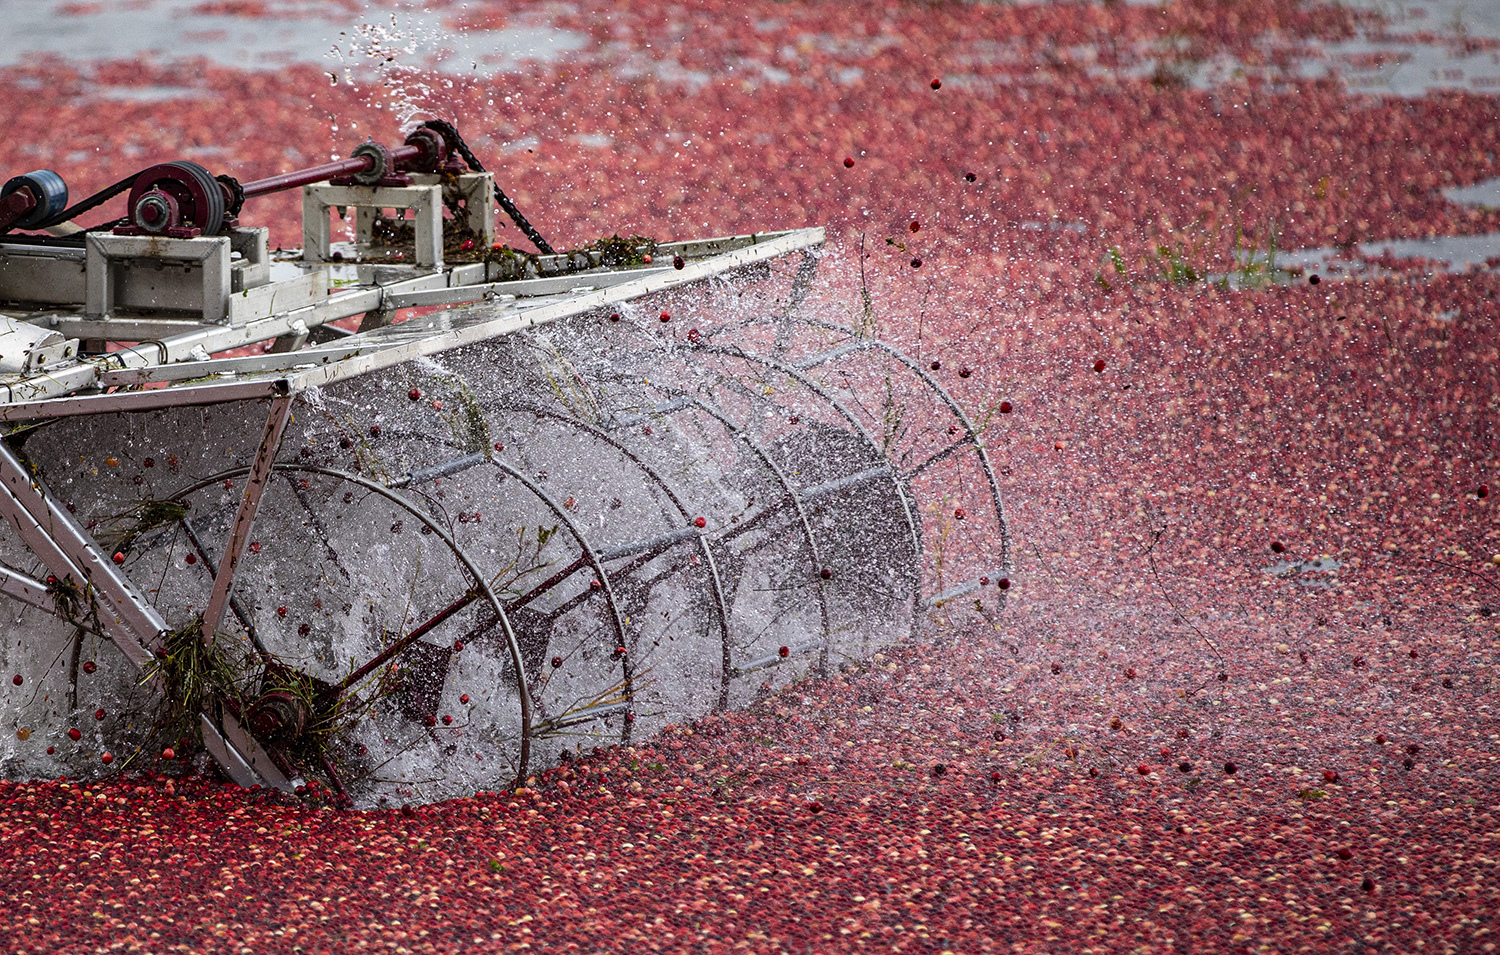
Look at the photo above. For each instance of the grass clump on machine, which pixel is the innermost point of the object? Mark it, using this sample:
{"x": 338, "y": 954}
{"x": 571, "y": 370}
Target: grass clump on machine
{"x": 400, "y": 555}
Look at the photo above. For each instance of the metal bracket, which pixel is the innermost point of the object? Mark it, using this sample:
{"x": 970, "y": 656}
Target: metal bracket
{"x": 129, "y": 271}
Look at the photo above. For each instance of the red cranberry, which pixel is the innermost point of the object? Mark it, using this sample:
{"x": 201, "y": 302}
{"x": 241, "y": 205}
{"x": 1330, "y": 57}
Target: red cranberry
{"x": 1230, "y": 768}
{"x": 99, "y": 714}
{"x": 17, "y": 679}
{"x": 169, "y": 753}
{"x": 89, "y": 666}
{"x": 74, "y": 735}
{"x": 557, "y": 662}
{"x": 458, "y": 644}
{"x": 1005, "y": 407}
{"x": 785, "y": 651}
{"x": 848, "y": 162}
{"x": 415, "y": 394}
{"x": 1277, "y": 547}
{"x": 1099, "y": 366}
{"x": 665, "y": 316}
{"x": 700, "y": 522}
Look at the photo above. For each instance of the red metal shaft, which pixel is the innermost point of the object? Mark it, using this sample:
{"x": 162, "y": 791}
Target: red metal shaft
{"x": 306, "y": 177}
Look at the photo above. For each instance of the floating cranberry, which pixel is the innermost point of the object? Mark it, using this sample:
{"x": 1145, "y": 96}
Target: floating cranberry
{"x": 107, "y": 758}
{"x": 169, "y": 753}
{"x": 458, "y": 644}
{"x": 1005, "y": 407}
{"x": 17, "y": 680}
{"x": 964, "y": 372}
{"x": 1184, "y": 767}
{"x": 1004, "y": 583}
{"x": 304, "y": 629}
{"x": 826, "y": 573}
{"x": 191, "y": 559}
{"x": 1277, "y": 547}
{"x": 700, "y": 522}
{"x": 346, "y": 442}
{"x": 596, "y": 584}
{"x": 74, "y": 735}
{"x": 1380, "y": 739}
{"x": 464, "y": 698}
{"x": 281, "y": 611}
{"x": 557, "y": 662}
{"x": 614, "y": 316}
{"x": 1099, "y": 366}
{"x": 1130, "y": 673}
{"x": 784, "y": 652}
{"x": 1143, "y": 769}
{"x": 1329, "y": 776}
{"x": 916, "y": 263}
{"x": 959, "y": 514}
{"x": 1346, "y": 854}
{"x": 678, "y": 262}
{"x": 665, "y": 315}
{"x": 99, "y": 714}
{"x": 255, "y": 547}
{"x": 374, "y": 430}
{"x": 447, "y": 720}
{"x": 1482, "y": 491}
{"x": 1368, "y": 885}
{"x": 1230, "y": 768}
{"x": 848, "y": 162}
{"x": 119, "y": 558}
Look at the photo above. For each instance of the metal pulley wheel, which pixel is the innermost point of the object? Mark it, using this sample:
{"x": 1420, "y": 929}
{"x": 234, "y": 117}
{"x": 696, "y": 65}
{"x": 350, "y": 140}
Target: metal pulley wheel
{"x": 49, "y": 191}
{"x": 175, "y": 195}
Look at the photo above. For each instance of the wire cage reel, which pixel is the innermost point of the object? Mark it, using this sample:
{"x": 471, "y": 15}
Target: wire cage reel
{"x": 549, "y": 540}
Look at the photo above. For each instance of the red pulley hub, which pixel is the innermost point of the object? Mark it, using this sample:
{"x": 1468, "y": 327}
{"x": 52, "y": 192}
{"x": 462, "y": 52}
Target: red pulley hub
{"x": 178, "y": 199}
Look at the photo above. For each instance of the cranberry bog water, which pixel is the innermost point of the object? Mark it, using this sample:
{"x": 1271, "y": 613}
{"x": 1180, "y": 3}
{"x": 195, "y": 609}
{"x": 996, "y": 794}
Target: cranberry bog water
{"x": 1076, "y": 534}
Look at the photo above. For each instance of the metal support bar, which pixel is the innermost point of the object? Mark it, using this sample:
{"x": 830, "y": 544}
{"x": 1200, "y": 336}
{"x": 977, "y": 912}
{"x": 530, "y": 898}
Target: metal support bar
{"x": 255, "y": 485}
{"x": 652, "y": 544}
{"x": 16, "y": 584}
{"x": 52, "y": 534}
{"x": 443, "y": 470}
